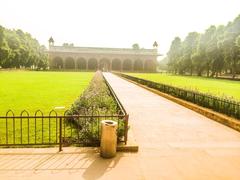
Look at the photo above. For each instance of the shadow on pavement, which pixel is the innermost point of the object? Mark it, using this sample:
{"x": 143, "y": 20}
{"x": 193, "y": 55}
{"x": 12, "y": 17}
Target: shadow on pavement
{"x": 100, "y": 166}
{"x": 88, "y": 162}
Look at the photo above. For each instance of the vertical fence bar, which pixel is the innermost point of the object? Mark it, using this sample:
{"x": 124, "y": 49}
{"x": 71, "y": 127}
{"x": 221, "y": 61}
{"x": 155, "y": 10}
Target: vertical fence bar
{"x": 35, "y": 117}
{"x": 98, "y": 125}
{"x": 224, "y": 106}
{"x": 13, "y": 126}
{"x": 6, "y": 130}
{"x": 78, "y": 128}
{"x": 239, "y": 111}
{"x": 56, "y": 129}
{"x": 49, "y": 130}
{"x": 35, "y": 123}
{"x": 21, "y": 128}
{"x": 28, "y": 130}
{"x": 60, "y": 134}
{"x": 71, "y": 126}
{"x": 42, "y": 130}
{"x": 84, "y": 130}
{"x": 194, "y": 97}
{"x": 14, "y": 130}
{"x": 126, "y": 129}
{"x": 64, "y": 127}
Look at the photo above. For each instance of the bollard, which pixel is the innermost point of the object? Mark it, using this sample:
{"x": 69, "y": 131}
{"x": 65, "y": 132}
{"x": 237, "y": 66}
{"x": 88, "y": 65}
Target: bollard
{"x": 108, "y": 145}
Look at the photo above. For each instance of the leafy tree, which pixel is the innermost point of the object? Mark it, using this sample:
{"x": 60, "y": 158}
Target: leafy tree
{"x": 4, "y": 49}
{"x": 19, "y": 49}
{"x": 174, "y": 54}
{"x": 190, "y": 45}
{"x": 215, "y": 51}
{"x": 238, "y": 41}
{"x": 135, "y": 46}
{"x": 68, "y": 45}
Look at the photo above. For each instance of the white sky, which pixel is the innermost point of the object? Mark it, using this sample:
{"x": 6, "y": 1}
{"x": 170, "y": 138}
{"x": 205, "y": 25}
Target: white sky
{"x": 111, "y": 23}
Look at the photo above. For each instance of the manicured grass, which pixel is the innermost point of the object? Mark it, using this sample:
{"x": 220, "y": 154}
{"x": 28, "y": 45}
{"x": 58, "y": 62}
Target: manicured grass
{"x": 217, "y": 87}
{"x": 31, "y": 91}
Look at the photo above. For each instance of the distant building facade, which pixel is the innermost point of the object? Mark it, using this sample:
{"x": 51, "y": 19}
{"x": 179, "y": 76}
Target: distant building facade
{"x": 105, "y": 59}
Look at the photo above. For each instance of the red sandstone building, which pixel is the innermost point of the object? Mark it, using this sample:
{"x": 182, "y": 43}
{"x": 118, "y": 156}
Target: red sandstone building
{"x": 106, "y": 59}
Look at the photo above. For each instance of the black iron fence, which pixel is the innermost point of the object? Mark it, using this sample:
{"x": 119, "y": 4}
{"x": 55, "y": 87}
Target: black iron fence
{"x": 60, "y": 129}
{"x": 54, "y": 129}
{"x": 221, "y": 105}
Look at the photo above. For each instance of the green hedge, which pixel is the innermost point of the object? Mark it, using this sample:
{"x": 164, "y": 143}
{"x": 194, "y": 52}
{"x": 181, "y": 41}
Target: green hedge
{"x": 225, "y": 106}
{"x": 95, "y": 100}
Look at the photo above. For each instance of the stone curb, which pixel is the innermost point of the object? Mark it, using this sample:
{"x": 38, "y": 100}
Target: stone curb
{"x": 218, "y": 117}
{"x": 127, "y": 148}
{"x": 131, "y": 145}
{"x": 47, "y": 151}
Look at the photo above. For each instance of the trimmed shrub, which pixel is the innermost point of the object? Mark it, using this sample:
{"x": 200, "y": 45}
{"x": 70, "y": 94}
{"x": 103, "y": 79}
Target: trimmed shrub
{"x": 95, "y": 100}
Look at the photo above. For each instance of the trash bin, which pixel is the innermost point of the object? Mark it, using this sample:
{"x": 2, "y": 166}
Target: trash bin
{"x": 108, "y": 145}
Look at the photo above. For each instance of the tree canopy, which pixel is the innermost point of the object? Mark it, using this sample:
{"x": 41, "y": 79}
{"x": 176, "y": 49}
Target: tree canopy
{"x": 213, "y": 52}
{"x": 68, "y": 45}
{"x": 136, "y": 46}
{"x": 19, "y": 49}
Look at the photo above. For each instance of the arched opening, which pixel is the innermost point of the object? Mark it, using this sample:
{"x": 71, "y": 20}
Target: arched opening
{"x": 127, "y": 65}
{"x": 104, "y": 65}
{"x": 57, "y": 63}
{"x": 116, "y": 64}
{"x": 81, "y": 64}
{"x": 149, "y": 65}
{"x": 69, "y": 63}
{"x": 92, "y": 64}
{"x": 138, "y": 65}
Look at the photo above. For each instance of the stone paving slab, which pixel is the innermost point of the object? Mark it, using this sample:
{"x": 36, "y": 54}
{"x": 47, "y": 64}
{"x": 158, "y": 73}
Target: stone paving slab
{"x": 73, "y": 163}
{"x": 174, "y": 143}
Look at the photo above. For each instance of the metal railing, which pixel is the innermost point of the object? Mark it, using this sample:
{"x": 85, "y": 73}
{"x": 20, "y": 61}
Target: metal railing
{"x": 122, "y": 110}
{"x": 221, "y": 105}
{"x": 63, "y": 130}
{"x": 54, "y": 129}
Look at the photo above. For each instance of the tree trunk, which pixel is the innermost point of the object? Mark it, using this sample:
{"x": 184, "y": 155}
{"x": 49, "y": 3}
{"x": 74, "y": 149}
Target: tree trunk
{"x": 233, "y": 72}
{"x": 212, "y": 74}
{"x": 233, "y": 67}
{"x": 207, "y": 72}
{"x": 199, "y": 73}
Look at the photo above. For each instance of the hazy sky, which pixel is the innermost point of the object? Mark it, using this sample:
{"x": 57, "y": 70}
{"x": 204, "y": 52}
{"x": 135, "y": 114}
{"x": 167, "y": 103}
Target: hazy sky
{"x": 111, "y": 23}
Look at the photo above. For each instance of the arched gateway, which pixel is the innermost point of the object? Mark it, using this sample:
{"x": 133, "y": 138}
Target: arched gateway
{"x": 105, "y": 59}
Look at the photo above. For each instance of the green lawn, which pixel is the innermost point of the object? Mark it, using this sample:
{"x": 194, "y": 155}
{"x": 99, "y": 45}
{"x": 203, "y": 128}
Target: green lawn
{"x": 217, "y": 87}
{"x": 31, "y": 91}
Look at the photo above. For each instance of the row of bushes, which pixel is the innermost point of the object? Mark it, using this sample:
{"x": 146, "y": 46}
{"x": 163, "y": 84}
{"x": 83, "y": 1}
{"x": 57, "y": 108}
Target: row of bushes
{"x": 225, "y": 106}
{"x": 94, "y": 102}
{"x": 95, "y": 99}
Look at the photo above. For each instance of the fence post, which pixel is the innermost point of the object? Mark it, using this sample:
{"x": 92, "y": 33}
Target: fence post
{"x": 126, "y": 128}
{"x": 194, "y": 97}
{"x": 60, "y": 134}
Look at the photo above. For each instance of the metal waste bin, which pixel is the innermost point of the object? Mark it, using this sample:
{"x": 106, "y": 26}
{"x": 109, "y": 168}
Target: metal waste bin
{"x": 108, "y": 145}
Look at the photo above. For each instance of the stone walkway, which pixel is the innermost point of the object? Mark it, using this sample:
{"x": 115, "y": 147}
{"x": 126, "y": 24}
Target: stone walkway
{"x": 174, "y": 143}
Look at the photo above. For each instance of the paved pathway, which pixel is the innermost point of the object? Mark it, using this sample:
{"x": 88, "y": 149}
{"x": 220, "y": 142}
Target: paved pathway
{"x": 174, "y": 143}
